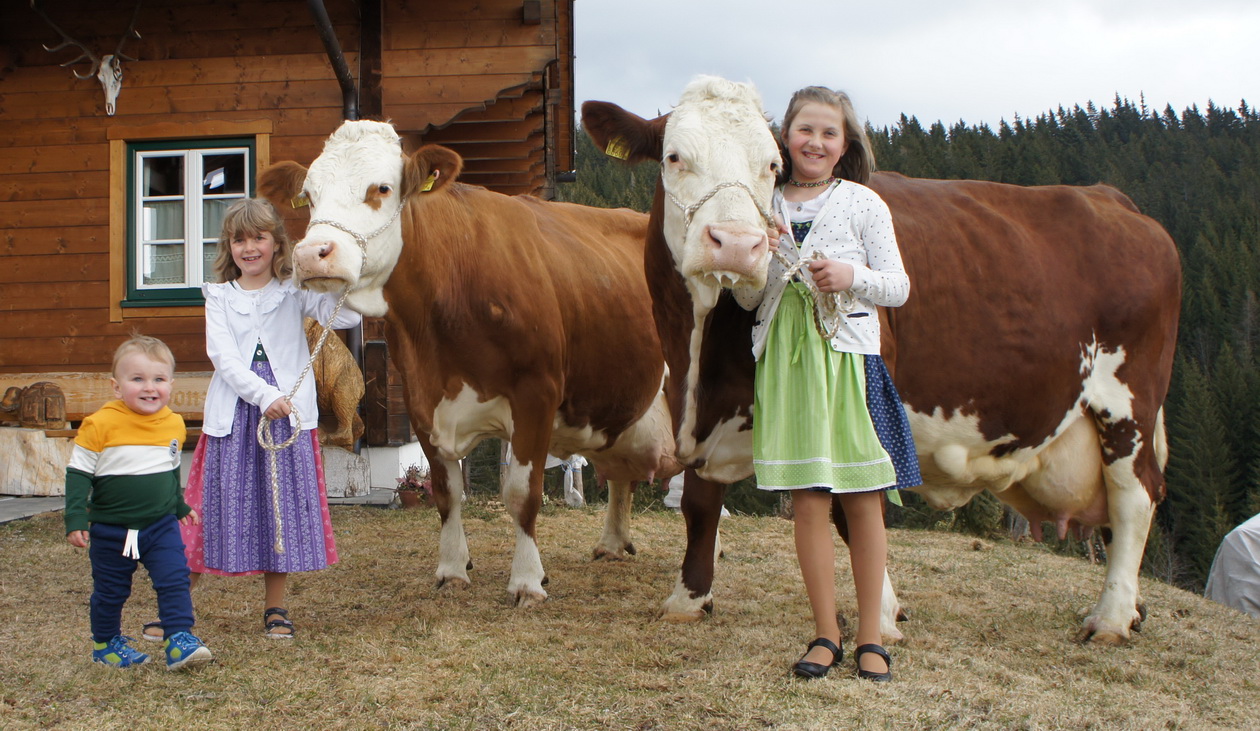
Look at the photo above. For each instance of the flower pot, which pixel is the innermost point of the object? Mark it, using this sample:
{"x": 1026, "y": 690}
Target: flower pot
{"x": 410, "y": 498}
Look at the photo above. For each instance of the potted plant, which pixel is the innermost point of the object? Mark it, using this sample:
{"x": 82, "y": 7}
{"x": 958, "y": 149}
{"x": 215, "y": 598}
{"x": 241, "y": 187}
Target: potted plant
{"x": 414, "y": 488}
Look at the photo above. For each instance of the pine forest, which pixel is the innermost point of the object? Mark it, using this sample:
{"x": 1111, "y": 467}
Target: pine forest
{"x": 1196, "y": 172}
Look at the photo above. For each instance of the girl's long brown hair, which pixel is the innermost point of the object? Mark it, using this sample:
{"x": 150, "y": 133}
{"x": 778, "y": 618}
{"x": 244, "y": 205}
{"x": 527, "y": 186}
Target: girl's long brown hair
{"x": 858, "y": 162}
{"x": 246, "y": 218}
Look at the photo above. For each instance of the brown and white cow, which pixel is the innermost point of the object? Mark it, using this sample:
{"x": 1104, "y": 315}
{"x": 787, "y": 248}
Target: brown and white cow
{"x": 508, "y": 317}
{"x": 1033, "y": 356}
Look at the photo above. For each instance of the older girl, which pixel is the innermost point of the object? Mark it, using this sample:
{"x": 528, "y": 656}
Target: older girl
{"x": 827, "y": 419}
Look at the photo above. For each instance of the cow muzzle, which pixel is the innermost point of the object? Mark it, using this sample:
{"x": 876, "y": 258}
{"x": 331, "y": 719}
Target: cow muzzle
{"x": 320, "y": 264}
{"x": 735, "y": 253}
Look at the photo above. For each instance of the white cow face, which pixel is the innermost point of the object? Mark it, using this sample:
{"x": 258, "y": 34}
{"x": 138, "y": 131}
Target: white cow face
{"x": 355, "y": 190}
{"x": 718, "y": 165}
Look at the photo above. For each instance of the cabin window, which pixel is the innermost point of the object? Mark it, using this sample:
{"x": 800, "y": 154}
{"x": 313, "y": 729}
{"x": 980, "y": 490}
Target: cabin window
{"x": 177, "y": 193}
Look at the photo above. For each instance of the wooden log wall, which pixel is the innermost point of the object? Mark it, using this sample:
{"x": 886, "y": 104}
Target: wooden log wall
{"x": 492, "y": 79}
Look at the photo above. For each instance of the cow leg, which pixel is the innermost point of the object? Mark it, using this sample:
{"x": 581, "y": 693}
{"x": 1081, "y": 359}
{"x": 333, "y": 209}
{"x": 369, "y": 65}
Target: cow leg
{"x": 521, "y": 492}
{"x": 614, "y": 544}
{"x": 448, "y": 496}
{"x": 701, "y": 508}
{"x": 890, "y": 607}
{"x": 1129, "y": 510}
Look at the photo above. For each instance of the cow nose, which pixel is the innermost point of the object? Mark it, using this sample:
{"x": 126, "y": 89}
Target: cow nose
{"x": 741, "y": 238}
{"x": 326, "y": 249}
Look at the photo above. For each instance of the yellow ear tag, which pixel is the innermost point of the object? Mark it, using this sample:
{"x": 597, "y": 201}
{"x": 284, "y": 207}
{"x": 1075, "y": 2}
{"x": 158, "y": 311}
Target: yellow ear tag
{"x": 618, "y": 148}
{"x": 428, "y": 183}
{"x": 300, "y": 202}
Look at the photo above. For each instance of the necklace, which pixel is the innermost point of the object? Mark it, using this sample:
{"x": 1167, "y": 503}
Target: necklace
{"x": 817, "y": 184}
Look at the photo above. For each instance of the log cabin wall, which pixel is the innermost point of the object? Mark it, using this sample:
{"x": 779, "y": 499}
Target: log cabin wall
{"x": 491, "y": 79}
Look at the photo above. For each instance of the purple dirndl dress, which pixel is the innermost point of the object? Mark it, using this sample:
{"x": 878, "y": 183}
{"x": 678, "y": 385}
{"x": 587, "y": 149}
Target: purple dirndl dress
{"x": 234, "y": 498}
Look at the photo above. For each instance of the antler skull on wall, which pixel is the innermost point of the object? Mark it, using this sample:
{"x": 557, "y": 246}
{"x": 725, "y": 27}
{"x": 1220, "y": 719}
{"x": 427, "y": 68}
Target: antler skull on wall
{"x": 107, "y": 68}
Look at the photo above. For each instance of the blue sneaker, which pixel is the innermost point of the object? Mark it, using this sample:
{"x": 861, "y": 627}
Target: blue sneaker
{"x": 185, "y": 650}
{"x": 117, "y": 654}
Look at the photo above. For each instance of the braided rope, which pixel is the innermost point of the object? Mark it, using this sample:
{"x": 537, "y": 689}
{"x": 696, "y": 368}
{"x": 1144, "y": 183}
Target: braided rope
{"x": 828, "y": 306}
{"x": 265, "y": 438}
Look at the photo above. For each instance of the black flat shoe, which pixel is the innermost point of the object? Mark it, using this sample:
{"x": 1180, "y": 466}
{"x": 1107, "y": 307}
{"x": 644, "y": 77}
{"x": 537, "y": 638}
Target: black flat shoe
{"x": 812, "y": 670}
{"x": 869, "y": 674}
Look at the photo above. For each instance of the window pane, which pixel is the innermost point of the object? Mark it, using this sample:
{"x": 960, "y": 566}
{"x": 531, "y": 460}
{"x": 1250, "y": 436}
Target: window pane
{"x": 163, "y": 220}
{"x": 224, "y": 174}
{"x": 163, "y": 176}
{"x": 209, "y": 250}
{"x": 163, "y": 264}
{"x": 212, "y": 212}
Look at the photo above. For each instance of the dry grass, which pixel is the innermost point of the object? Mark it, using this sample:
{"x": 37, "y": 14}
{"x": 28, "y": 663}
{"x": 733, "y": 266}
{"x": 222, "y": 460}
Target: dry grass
{"x": 989, "y": 641}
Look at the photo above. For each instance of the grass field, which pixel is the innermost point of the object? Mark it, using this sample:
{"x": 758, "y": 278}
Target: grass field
{"x": 989, "y": 640}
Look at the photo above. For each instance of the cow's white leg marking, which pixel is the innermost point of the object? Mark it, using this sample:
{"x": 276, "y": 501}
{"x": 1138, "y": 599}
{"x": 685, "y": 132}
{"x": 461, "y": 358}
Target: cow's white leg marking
{"x": 452, "y": 542}
{"x": 1130, "y": 510}
{"x": 681, "y": 607}
{"x": 687, "y": 426}
{"x": 889, "y": 608}
{"x": 615, "y": 543}
{"x": 525, "y": 583}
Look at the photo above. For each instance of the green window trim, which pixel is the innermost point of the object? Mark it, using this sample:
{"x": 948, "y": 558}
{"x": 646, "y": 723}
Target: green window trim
{"x": 189, "y": 196}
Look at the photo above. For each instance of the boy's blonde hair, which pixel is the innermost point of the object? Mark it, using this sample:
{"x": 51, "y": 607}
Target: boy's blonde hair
{"x": 858, "y": 161}
{"x": 151, "y": 347}
{"x": 247, "y": 217}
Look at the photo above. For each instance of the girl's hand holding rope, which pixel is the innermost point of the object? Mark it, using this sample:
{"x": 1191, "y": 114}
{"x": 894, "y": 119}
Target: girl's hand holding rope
{"x": 831, "y": 275}
{"x": 278, "y": 409}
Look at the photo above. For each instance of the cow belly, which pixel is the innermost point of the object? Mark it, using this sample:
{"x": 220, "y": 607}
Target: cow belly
{"x": 644, "y": 451}
{"x": 1067, "y": 485}
{"x": 1060, "y": 481}
{"x": 957, "y": 461}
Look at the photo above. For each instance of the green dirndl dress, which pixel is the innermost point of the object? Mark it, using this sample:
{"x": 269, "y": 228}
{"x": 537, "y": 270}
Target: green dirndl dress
{"x": 812, "y": 428}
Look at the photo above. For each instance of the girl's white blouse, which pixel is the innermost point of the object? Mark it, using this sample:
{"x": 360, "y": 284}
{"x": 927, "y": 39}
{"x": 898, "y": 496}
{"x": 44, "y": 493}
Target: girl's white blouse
{"x": 236, "y": 321}
{"x": 854, "y": 226}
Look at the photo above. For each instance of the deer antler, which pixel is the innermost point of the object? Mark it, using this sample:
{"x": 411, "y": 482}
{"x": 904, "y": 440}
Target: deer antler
{"x": 131, "y": 32}
{"x": 68, "y": 41}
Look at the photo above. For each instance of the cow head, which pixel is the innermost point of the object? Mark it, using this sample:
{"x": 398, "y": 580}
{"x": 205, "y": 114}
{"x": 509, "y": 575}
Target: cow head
{"x": 357, "y": 190}
{"x": 718, "y": 165}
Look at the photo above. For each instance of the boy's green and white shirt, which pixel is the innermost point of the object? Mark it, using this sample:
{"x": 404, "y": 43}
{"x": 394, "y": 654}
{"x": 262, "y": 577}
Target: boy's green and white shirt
{"x": 125, "y": 469}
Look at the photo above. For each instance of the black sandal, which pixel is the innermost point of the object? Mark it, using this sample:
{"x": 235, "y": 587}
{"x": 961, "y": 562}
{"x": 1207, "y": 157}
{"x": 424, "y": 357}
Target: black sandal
{"x": 270, "y": 626}
{"x": 813, "y": 670}
{"x": 153, "y": 632}
{"x": 871, "y": 674}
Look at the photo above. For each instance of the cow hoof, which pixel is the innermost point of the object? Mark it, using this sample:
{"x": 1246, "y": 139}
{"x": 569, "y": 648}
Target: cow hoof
{"x": 452, "y": 582}
{"x": 603, "y": 553}
{"x": 695, "y": 615}
{"x": 1106, "y": 639}
{"x": 526, "y": 599}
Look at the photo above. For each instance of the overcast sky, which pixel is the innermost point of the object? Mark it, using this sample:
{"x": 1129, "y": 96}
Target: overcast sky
{"x": 979, "y": 61}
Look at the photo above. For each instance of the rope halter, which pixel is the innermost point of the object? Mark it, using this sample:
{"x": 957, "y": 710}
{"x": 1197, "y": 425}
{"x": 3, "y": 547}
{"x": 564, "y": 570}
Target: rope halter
{"x": 689, "y": 212}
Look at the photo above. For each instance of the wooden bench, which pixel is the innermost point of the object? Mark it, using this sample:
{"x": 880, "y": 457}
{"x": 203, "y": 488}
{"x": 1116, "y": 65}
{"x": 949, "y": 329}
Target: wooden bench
{"x": 85, "y": 392}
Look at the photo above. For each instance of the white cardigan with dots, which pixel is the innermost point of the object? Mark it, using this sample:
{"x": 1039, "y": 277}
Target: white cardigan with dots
{"x": 853, "y": 226}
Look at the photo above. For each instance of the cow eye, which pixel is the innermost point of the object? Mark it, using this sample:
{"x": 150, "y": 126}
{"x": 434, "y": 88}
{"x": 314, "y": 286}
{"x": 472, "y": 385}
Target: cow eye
{"x": 383, "y": 189}
{"x": 775, "y": 168}
{"x": 672, "y": 157}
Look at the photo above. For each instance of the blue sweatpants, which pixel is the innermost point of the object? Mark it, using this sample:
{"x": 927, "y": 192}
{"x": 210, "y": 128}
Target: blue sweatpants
{"x": 162, "y": 553}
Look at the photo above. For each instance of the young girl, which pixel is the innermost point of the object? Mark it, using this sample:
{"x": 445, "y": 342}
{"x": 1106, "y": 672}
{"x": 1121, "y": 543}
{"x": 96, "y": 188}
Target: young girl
{"x": 826, "y": 418}
{"x": 255, "y": 340}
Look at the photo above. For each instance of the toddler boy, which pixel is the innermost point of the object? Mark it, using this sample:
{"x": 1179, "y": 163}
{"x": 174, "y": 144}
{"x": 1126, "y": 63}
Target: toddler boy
{"x": 123, "y": 501}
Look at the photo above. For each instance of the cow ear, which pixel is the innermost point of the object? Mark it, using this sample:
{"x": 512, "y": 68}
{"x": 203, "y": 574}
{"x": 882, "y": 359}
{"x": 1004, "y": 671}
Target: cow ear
{"x": 282, "y": 183}
{"x": 623, "y": 135}
{"x": 430, "y": 168}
